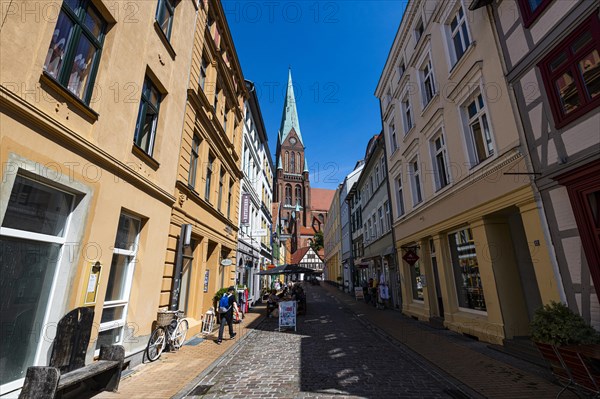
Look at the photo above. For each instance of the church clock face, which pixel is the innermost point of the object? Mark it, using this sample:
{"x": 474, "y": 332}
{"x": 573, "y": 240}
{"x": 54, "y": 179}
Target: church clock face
{"x": 293, "y": 141}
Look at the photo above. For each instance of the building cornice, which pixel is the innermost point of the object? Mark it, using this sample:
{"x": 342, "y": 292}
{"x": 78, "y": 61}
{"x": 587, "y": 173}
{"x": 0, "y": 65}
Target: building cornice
{"x": 82, "y": 146}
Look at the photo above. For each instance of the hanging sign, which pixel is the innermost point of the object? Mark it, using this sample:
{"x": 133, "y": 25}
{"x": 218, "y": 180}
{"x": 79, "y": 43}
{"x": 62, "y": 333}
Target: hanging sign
{"x": 287, "y": 314}
{"x": 245, "y": 208}
{"x": 410, "y": 257}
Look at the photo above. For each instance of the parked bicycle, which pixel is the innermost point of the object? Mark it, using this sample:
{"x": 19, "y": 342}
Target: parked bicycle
{"x": 172, "y": 329}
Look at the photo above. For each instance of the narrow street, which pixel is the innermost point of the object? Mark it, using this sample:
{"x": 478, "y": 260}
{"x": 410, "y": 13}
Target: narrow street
{"x": 332, "y": 354}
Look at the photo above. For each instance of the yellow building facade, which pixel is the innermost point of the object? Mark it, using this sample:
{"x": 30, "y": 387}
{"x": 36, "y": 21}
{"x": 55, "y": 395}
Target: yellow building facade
{"x": 467, "y": 220}
{"x": 207, "y": 187}
{"x": 332, "y": 242}
{"x": 91, "y": 112}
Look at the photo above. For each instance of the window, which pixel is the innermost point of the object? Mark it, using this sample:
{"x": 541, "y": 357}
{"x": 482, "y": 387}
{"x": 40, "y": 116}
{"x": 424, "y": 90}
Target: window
{"x": 469, "y": 288}
{"x": 298, "y": 164}
{"x": 440, "y": 161}
{"x": 371, "y": 185}
{"x": 216, "y": 100}
{"x": 32, "y": 235}
{"x": 393, "y": 139}
{"x": 375, "y": 230}
{"x": 407, "y": 115}
{"x": 76, "y": 46}
{"x": 194, "y": 161}
{"x": 419, "y": 29}
{"x": 209, "y": 170}
{"x": 388, "y": 219}
{"x": 380, "y": 214}
{"x": 203, "y": 72}
{"x": 428, "y": 85}
{"x": 383, "y": 169}
{"x": 288, "y": 194}
{"x": 377, "y": 178}
{"x": 298, "y": 195}
{"x": 145, "y": 129}
{"x": 287, "y": 161}
{"x": 225, "y": 120}
{"x": 400, "y": 196}
{"x": 459, "y": 34}
{"x": 370, "y": 230}
{"x": 571, "y": 73}
{"x": 401, "y": 70}
{"x": 164, "y": 16}
{"x": 116, "y": 300}
{"x": 531, "y": 9}
{"x": 229, "y": 198}
{"x": 293, "y": 162}
{"x": 479, "y": 142}
{"x": 416, "y": 182}
{"x": 221, "y": 182}
{"x": 416, "y": 279}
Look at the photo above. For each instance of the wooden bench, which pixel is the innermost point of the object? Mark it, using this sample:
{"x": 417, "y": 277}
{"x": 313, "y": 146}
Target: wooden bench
{"x": 67, "y": 375}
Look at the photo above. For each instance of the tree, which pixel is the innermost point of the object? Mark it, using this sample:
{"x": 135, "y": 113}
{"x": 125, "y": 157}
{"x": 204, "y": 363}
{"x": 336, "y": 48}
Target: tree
{"x": 317, "y": 242}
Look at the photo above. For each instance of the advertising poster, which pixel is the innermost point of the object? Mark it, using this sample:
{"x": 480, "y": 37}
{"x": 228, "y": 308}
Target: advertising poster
{"x": 287, "y": 314}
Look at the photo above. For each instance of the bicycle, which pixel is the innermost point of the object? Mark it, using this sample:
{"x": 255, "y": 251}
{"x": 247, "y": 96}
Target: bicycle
{"x": 172, "y": 329}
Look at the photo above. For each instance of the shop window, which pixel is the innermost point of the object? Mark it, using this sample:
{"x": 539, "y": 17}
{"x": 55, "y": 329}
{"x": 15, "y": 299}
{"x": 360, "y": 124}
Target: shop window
{"x": 416, "y": 279}
{"x": 76, "y": 46}
{"x": 32, "y": 235}
{"x": 465, "y": 266}
{"x": 571, "y": 73}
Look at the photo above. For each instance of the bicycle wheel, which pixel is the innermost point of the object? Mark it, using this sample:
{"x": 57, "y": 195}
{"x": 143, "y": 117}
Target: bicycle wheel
{"x": 156, "y": 344}
{"x": 180, "y": 333}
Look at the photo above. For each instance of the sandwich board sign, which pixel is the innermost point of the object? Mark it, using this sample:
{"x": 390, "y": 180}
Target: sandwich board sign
{"x": 287, "y": 314}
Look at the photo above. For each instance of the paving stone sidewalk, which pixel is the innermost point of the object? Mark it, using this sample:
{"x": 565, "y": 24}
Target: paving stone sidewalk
{"x": 484, "y": 370}
{"x": 173, "y": 371}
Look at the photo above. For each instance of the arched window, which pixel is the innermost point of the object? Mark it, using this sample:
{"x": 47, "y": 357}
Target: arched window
{"x": 288, "y": 194}
{"x": 299, "y": 195}
{"x": 287, "y": 162}
{"x": 293, "y": 165}
{"x": 298, "y": 163}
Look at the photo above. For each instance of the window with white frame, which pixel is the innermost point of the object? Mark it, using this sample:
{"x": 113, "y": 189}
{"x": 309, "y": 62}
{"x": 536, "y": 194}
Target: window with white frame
{"x": 375, "y": 232}
{"x": 388, "y": 220}
{"x": 479, "y": 136}
{"x": 415, "y": 180}
{"x": 439, "y": 156}
{"x": 383, "y": 171}
{"x": 370, "y": 230}
{"x": 377, "y": 177}
{"x": 393, "y": 139}
{"x": 381, "y": 221}
{"x": 427, "y": 82}
{"x": 407, "y": 114}
{"x": 400, "y": 196}
{"x": 459, "y": 35}
{"x": 32, "y": 236}
{"x": 116, "y": 300}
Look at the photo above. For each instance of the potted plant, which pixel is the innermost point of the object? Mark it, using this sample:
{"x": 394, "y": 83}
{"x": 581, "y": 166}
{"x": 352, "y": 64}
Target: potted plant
{"x": 557, "y": 325}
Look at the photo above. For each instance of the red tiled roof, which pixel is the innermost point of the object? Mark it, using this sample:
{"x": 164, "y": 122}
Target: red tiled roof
{"x": 306, "y": 231}
{"x": 298, "y": 255}
{"x": 320, "y": 199}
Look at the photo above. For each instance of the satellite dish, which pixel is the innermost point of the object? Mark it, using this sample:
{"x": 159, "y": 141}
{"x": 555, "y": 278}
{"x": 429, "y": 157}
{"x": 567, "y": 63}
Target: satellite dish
{"x": 226, "y": 262}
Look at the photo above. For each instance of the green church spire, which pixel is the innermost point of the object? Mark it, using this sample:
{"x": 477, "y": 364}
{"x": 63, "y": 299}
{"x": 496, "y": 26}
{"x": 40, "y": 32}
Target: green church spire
{"x": 289, "y": 119}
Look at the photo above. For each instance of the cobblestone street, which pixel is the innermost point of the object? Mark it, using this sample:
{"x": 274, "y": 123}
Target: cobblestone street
{"x": 332, "y": 354}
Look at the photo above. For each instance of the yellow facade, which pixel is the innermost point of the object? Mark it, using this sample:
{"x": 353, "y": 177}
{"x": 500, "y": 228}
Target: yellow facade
{"x": 332, "y": 242}
{"x": 58, "y": 143}
{"x": 210, "y": 150}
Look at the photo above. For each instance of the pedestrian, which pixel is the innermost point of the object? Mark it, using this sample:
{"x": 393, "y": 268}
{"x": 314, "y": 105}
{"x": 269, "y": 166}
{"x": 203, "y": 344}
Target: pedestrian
{"x": 384, "y": 295}
{"x": 272, "y": 303}
{"x": 226, "y": 313}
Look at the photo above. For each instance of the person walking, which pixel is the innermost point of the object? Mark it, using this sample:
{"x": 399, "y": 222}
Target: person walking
{"x": 226, "y": 313}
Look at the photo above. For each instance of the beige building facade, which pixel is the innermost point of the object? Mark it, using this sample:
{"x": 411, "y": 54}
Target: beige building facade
{"x": 473, "y": 253}
{"x": 90, "y": 128}
{"x": 332, "y": 242}
{"x": 208, "y": 177}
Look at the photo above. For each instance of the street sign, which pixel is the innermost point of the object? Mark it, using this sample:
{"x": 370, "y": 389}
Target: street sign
{"x": 260, "y": 233}
{"x": 410, "y": 257}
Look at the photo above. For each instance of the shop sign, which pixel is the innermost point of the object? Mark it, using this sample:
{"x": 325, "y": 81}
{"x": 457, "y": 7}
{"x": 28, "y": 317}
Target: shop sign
{"x": 410, "y": 257}
{"x": 245, "y": 208}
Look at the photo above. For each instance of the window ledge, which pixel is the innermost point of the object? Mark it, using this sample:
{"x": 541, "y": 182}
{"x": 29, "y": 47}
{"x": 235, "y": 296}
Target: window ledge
{"x": 405, "y": 138}
{"x": 69, "y": 96}
{"x": 165, "y": 40}
{"x": 430, "y": 103}
{"x": 457, "y": 64}
{"x": 141, "y": 154}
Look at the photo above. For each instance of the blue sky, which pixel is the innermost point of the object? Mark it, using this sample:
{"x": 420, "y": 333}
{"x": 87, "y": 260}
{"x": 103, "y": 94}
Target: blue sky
{"x": 337, "y": 51}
